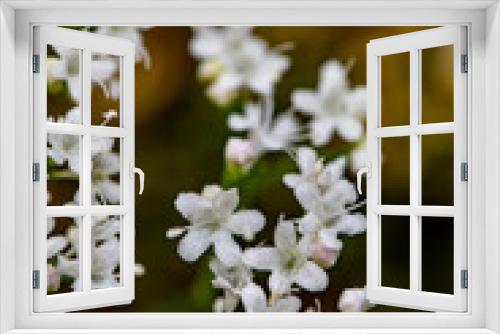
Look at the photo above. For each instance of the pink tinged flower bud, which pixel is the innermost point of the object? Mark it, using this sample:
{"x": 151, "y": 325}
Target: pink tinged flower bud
{"x": 53, "y": 278}
{"x": 322, "y": 255}
{"x": 240, "y": 151}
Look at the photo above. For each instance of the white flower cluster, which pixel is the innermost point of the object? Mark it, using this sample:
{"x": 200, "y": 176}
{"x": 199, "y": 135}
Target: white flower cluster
{"x": 303, "y": 250}
{"x": 233, "y": 61}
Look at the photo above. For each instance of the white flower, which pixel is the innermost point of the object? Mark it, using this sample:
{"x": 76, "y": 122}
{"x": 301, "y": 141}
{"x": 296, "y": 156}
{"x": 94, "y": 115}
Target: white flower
{"x": 213, "y": 222}
{"x": 334, "y": 106}
{"x": 237, "y": 60}
{"x": 273, "y": 136}
{"x": 240, "y": 152}
{"x": 254, "y": 300}
{"x": 230, "y": 277}
{"x": 56, "y": 243}
{"x": 288, "y": 262}
{"x": 353, "y": 300}
{"x": 231, "y": 280}
{"x": 322, "y": 192}
{"x": 64, "y": 148}
{"x": 133, "y": 34}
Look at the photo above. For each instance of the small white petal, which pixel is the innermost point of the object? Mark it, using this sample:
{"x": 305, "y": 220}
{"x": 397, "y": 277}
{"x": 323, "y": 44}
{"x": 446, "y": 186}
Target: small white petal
{"x": 311, "y": 277}
{"x": 322, "y": 130}
{"x": 333, "y": 78}
{"x": 287, "y": 304}
{"x": 253, "y": 298}
{"x": 308, "y": 195}
{"x": 351, "y": 224}
{"x": 262, "y": 258}
{"x": 285, "y": 236}
{"x": 194, "y": 244}
{"x": 246, "y": 223}
{"x": 226, "y": 249}
{"x": 305, "y": 101}
{"x": 279, "y": 282}
{"x": 349, "y": 128}
{"x": 306, "y": 159}
{"x": 188, "y": 204}
{"x": 291, "y": 180}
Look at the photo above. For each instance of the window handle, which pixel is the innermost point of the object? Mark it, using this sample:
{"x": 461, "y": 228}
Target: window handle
{"x": 138, "y": 171}
{"x": 359, "y": 174}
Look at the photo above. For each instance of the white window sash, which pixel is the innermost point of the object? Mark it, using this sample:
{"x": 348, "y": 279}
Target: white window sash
{"x": 414, "y": 297}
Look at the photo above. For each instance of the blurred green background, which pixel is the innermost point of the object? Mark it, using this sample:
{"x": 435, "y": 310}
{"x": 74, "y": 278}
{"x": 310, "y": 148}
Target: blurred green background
{"x": 180, "y": 138}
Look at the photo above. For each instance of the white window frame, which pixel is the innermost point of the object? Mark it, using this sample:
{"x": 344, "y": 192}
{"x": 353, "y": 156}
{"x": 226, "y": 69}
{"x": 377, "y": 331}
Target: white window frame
{"x": 17, "y": 18}
{"x": 86, "y": 44}
{"x": 413, "y": 43}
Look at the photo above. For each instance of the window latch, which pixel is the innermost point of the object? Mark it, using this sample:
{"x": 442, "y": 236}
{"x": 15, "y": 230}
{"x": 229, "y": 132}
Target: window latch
{"x": 138, "y": 171}
{"x": 359, "y": 174}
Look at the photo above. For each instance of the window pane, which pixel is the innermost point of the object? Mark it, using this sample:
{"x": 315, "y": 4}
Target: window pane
{"x": 63, "y": 265}
{"x": 63, "y": 85}
{"x": 106, "y": 251}
{"x": 395, "y": 90}
{"x": 437, "y": 84}
{"x": 106, "y": 166}
{"x": 437, "y": 169}
{"x": 395, "y": 251}
{"x": 437, "y": 254}
{"x": 395, "y": 175}
{"x": 63, "y": 169}
{"x": 106, "y": 90}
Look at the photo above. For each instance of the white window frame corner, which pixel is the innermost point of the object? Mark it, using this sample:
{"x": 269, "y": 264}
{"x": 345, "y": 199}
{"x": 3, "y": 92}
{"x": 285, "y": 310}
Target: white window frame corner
{"x": 17, "y": 18}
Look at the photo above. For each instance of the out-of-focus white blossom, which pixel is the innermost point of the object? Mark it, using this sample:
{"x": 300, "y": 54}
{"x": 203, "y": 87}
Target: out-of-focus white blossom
{"x": 334, "y": 106}
{"x": 266, "y": 136}
{"x": 254, "y": 300}
{"x": 214, "y": 222}
{"x": 236, "y": 59}
{"x": 288, "y": 262}
{"x": 353, "y": 300}
{"x": 64, "y": 148}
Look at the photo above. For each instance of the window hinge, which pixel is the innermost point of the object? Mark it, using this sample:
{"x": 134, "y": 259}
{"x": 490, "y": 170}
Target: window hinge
{"x": 36, "y": 63}
{"x": 36, "y": 172}
{"x": 36, "y": 279}
{"x": 464, "y": 279}
{"x": 465, "y": 63}
{"x": 464, "y": 171}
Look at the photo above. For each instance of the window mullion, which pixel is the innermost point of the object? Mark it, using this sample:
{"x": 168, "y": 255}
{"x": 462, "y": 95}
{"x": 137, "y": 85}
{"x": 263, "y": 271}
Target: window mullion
{"x": 85, "y": 177}
{"x": 415, "y": 241}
